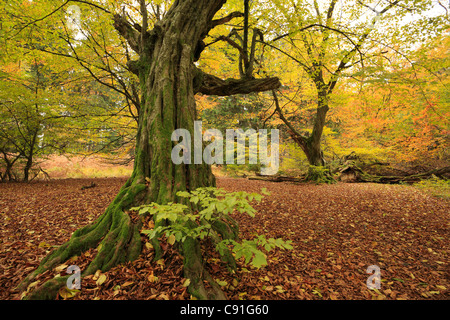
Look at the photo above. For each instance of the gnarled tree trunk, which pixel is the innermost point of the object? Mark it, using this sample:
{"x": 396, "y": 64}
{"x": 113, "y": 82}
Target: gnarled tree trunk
{"x": 169, "y": 80}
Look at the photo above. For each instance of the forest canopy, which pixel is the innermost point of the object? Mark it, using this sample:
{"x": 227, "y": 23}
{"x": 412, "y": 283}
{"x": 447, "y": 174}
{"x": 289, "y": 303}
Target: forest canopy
{"x": 355, "y": 77}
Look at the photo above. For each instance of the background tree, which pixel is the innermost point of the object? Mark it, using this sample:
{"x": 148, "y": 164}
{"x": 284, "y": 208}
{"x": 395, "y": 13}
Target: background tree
{"x": 30, "y": 114}
{"x": 97, "y": 102}
{"x": 334, "y": 40}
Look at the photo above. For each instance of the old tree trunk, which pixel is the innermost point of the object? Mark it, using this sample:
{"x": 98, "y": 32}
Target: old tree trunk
{"x": 169, "y": 80}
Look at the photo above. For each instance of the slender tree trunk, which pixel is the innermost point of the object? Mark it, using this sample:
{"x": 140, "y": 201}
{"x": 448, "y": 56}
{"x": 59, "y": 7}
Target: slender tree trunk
{"x": 29, "y": 163}
{"x": 312, "y": 147}
{"x": 26, "y": 169}
{"x": 7, "y": 176}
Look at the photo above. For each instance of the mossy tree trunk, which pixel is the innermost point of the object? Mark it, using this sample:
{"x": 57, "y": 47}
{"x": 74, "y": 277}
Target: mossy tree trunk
{"x": 169, "y": 81}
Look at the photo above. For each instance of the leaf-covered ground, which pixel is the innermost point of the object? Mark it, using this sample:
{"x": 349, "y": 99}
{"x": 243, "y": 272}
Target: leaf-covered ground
{"x": 337, "y": 232}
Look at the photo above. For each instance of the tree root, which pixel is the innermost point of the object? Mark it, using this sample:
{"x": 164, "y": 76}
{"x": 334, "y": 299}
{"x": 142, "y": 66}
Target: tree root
{"x": 118, "y": 237}
{"x": 202, "y": 285}
{"x": 118, "y": 240}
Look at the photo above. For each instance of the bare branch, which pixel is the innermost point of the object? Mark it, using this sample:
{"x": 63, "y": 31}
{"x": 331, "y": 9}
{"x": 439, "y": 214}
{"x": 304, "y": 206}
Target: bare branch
{"x": 235, "y": 45}
{"x": 226, "y": 19}
{"x": 346, "y": 59}
{"x": 295, "y": 135}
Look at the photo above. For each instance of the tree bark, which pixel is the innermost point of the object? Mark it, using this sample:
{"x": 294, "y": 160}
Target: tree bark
{"x": 29, "y": 157}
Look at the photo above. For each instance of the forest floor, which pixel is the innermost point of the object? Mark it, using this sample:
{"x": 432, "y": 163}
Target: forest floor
{"x": 337, "y": 230}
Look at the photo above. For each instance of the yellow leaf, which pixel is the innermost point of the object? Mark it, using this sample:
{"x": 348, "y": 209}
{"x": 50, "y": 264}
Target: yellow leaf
{"x": 67, "y": 293}
{"x": 152, "y": 278}
{"x": 221, "y": 283}
{"x": 61, "y": 267}
{"x": 44, "y": 245}
{"x": 280, "y": 289}
{"x": 31, "y": 285}
{"x": 161, "y": 263}
{"x": 441, "y": 287}
{"x": 101, "y": 279}
{"x": 128, "y": 283}
{"x": 434, "y": 292}
{"x": 148, "y": 245}
{"x": 186, "y": 283}
{"x": 171, "y": 239}
{"x": 96, "y": 275}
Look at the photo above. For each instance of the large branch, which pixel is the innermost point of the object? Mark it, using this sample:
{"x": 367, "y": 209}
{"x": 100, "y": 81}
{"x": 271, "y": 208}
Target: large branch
{"x": 128, "y": 32}
{"x": 212, "y": 85}
{"x": 295, "y": 135}
{"x": 226, "y": 19}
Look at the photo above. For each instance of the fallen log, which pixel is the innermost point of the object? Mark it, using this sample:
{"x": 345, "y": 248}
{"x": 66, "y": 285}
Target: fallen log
{"x": 356, "y": 174}
{"x": 92, "y": 185}
{"x": 361, "y": 176}
{"x": 277, "y": 178}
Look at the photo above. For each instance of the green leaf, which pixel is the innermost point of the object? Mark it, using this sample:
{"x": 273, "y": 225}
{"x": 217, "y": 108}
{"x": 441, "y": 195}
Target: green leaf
{"x": 259, "y": 260}
{"x": 194, "y": 199}
{"x": 171, "y": 239}
{"x": 183, "y": 194}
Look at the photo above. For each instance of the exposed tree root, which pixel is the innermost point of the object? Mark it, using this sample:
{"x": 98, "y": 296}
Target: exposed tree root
{"x": 119, "y": 238}
{"x": 202, "y": 285}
